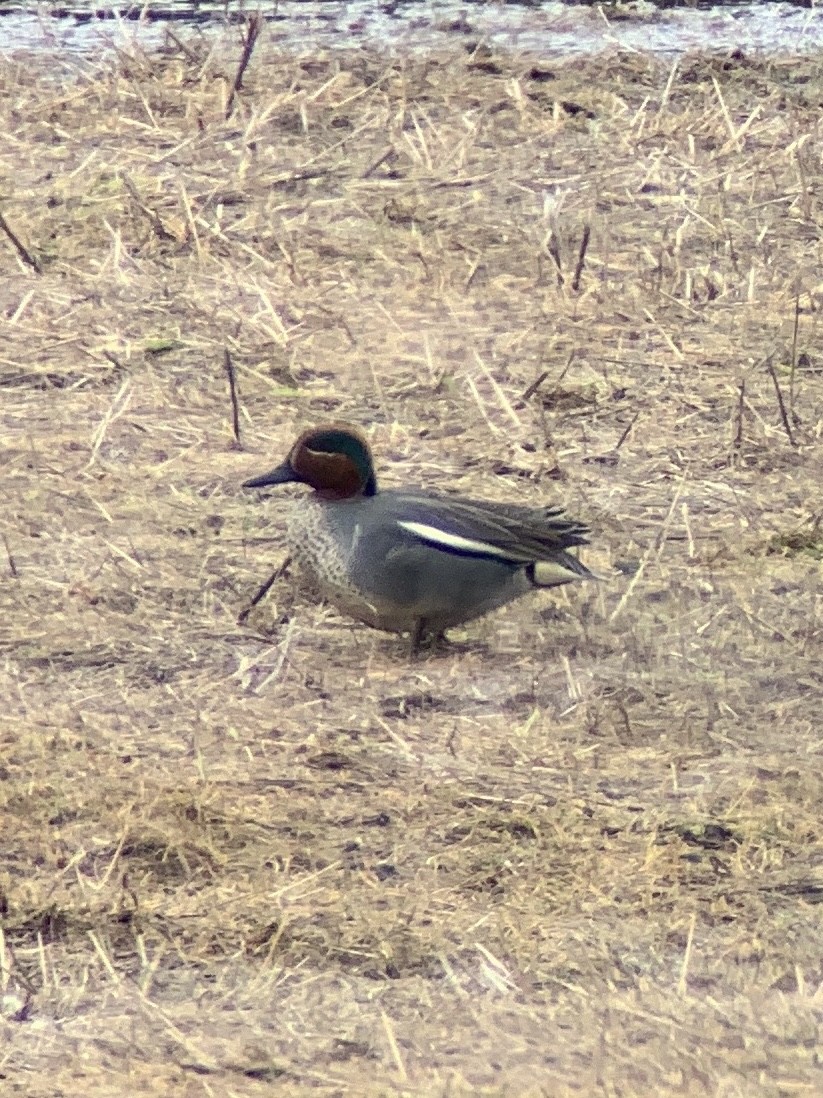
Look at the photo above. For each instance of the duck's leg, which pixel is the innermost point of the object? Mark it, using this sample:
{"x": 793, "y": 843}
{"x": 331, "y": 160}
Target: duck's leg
{"x": 418, "y": 636}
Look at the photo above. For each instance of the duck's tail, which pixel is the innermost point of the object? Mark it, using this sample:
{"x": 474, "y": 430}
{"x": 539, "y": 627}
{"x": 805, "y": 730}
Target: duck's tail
{"x": 562, "y": 568}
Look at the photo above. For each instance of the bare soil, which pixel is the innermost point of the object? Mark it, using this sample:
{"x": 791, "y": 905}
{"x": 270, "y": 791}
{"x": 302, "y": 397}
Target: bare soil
{"x": 581, "y": 851}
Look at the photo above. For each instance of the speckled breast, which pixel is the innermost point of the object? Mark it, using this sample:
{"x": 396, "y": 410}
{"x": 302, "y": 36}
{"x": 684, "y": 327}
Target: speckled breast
{"x": 325, "y": 551}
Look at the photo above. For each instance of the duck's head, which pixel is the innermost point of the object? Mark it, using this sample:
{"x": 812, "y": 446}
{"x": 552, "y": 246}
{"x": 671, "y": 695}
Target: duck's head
{"x": 335, "y": 460}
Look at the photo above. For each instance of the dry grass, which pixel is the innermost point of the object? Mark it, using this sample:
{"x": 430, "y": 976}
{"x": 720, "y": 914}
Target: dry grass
{"x": 580, "y": 853}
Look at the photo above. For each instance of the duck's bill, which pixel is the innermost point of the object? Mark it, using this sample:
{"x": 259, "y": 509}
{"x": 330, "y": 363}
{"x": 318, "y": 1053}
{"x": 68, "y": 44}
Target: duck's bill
{"x": 283, "y": 474}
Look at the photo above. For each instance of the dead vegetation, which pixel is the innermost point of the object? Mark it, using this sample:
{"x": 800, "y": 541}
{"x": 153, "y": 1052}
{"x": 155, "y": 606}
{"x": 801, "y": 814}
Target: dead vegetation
{"x": 580, "y": 853}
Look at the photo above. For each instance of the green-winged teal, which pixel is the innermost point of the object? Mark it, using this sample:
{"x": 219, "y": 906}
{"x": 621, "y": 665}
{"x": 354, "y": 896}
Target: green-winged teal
{"x": 409, "y": 561}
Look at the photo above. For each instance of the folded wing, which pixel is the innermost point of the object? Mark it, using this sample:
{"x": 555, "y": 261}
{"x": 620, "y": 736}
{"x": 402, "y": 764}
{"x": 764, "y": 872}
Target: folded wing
{"x": 537, "y": 537}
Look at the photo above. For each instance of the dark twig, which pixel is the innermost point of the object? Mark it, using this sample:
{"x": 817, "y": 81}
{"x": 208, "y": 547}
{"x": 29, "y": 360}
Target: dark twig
{"x": 738, "y": 432}
{"x": 794, "y": 348}
{"x": 235, "y": 406}
{"x": 387, "y": 154}
{"x": 553, "y": 248}
{"x": 184, "y": 49}
{"x": 627, "y": 432}
{"x": 263, "y": 591}
{"x": 782, "y": 406}
{"x": 253, "y": 28}
{"x": 528, "y": 393}
{"x": 581, "y": 257}
{"x": 20, "y": 247}
{"x": 12, "y": 564}
{"x": 152, "y": 215}
{"x": 113, "y": 359}
{"x": 535, "y": 385}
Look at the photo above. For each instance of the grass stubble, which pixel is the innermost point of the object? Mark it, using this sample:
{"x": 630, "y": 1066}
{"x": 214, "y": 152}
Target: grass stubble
{"x": 579, "y": 853}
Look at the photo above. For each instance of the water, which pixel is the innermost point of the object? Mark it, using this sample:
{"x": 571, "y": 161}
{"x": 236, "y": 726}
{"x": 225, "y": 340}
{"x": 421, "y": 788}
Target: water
{"x": 552, "y": 28}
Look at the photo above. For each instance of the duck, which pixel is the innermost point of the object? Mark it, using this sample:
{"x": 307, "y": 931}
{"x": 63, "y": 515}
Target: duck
{"x": 409, "y": 561}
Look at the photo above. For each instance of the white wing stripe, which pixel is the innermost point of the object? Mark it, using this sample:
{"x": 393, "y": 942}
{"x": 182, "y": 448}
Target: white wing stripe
{"x": 447, "y": 541}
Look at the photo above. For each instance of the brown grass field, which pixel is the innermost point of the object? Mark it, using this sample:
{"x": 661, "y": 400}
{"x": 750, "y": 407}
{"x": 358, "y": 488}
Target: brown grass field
{"x": 581, "y": 851}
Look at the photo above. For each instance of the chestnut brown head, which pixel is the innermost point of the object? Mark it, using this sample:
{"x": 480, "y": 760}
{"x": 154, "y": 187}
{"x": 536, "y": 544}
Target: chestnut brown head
{"x": 334, "y": 460}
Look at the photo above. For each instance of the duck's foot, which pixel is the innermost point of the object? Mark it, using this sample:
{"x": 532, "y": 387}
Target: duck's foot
{"x": 424, "y": 639}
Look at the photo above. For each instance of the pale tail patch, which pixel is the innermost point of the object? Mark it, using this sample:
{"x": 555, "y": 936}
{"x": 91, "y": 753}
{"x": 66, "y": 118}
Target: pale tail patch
{"x": 550, "y": 573}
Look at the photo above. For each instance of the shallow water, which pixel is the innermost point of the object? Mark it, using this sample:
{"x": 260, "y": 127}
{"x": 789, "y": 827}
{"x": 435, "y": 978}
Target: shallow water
{"x": 553, "y": 28}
